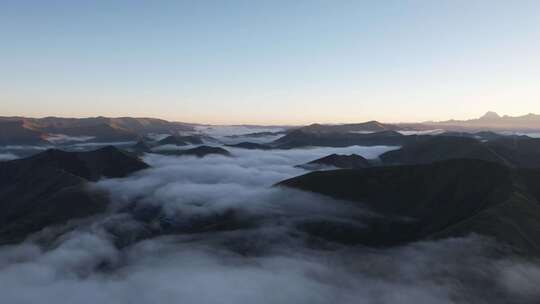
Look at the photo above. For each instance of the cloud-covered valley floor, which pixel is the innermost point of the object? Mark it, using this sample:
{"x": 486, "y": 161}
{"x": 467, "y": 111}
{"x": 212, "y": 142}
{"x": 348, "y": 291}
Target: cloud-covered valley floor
{"x": 266, "y": 261}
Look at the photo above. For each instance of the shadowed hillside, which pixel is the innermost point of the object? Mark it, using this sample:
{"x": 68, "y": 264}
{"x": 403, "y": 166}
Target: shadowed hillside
{"x": 512, "y": 151}
{"x": 352, "y": 161}
{"x": 51, "y": 188}
{"x": 444, "y": 199}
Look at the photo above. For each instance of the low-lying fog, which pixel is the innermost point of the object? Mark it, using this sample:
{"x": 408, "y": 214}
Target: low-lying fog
{"x": 271, "y": 262}
{"x": 7, "y": 156}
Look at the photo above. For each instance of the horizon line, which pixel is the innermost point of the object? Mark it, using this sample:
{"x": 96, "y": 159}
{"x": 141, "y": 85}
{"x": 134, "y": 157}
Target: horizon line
{"x": 253, "y": 123}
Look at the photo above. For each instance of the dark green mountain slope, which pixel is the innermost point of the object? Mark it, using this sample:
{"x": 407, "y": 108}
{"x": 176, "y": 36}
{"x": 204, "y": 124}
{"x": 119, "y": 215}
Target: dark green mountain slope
{"x": 51, "y": 188}
{"x": 443, "y": 199}
{"x": 438, "y": 148}
{"x": 512, "y": 151}
{"x": 521, "y": 151}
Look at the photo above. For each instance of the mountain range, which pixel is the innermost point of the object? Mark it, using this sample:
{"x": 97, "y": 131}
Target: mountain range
{"x": 432, "y": 187}
{"x": 492, "y": 121}
{"x": 31, "y": 131}
{"x": 42, "y": 131}
{"x": 369, "y": 126}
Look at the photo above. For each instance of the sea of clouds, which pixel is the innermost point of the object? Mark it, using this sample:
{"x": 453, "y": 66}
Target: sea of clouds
{"x": 237, "y": 134}
{"x": 269, "y": 262}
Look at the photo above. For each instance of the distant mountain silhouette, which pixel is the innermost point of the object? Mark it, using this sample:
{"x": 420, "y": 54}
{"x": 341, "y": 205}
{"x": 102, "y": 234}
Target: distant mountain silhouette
{"x": 370, "y": 126}
{"x": 443, "y": 199}
{"x": 482, "y": 135}
{"x": 492, "y": 121}
{"x": 351, "y": 161}
{"x": 22, "y": 130}
{"x": 256, "y": 134}
{"x": 15, "y": 132}
{"x": 490, "y": 115}
{"x": 51, "y": 188}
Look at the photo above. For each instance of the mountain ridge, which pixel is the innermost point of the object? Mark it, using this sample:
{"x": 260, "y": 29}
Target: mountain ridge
{"x": 443, "y": 199}
{"x": 492, "y": 121}
{"x": 23, "y": 130}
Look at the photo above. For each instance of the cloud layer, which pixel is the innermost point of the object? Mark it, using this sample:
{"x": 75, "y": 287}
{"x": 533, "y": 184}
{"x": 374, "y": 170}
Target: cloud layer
{"x": 7, "y": 156}
{"x": 268, "y": 262}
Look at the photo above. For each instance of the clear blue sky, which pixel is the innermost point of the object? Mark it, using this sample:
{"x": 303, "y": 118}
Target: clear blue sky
{"x": 270, "y": 61}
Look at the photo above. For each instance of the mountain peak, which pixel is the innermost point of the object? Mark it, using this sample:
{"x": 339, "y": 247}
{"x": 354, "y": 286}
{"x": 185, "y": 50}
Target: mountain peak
{"x": 490, "y": 115}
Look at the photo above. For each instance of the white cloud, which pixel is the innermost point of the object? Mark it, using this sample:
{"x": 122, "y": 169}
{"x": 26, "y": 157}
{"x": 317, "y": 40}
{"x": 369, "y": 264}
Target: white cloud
{"x": 269, "y": 262}
{"x": 241, "y": 133}
{"x": 62, "y": 138}
{"x": 7, "y": 156}
{"x": 425, "y": 132}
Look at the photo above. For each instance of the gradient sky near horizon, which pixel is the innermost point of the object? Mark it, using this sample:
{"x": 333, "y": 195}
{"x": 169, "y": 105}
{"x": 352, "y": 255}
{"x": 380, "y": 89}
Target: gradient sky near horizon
{"x": 270, "y": 62}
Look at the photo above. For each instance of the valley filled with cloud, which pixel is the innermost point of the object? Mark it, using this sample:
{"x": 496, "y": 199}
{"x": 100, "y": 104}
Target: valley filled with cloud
{"x": 237, "y": 238}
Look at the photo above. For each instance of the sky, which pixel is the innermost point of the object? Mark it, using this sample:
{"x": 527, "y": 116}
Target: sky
{"x": 270, "y": 62}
